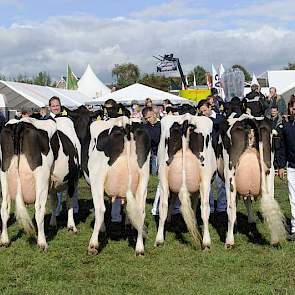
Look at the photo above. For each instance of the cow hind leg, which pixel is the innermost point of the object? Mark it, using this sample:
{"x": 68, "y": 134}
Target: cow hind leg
{"x": 5, "y": 210}
{"x": 72, "y": 193}
{"x": 97, "y": 190}
{"x": 205, "y": 212}
{"x": 41, "y": 178}
{"x": 163, "y": 210}
{"x": 231, "y": 212}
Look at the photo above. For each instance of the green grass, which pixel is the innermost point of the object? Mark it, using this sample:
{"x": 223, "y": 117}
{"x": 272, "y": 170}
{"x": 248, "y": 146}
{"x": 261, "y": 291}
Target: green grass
{"x": 175, "y": 268}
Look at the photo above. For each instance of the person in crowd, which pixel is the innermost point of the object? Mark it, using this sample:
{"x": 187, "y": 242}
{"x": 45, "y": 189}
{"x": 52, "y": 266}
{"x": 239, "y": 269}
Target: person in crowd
{"x": 135, "y": 110}
{"x": 221, "y": 207}
{"x": 253, "y": 102}
{"x": 285, "y": 156}
{"x": 55, "y": 109}
{"x": 274, "y": 99}
{"x": 2, "y": 119}
{"x": 218, "y": 101}
{"x": 43, "y": 113}
{"x": 149, "y": 103}
{"x": 276, "y": 123}
{"x": 25, "y": 113}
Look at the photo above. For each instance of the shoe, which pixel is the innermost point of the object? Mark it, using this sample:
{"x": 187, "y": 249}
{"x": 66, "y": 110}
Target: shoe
{"x": 291, "y": 237}
{"x": 116, "y": 231}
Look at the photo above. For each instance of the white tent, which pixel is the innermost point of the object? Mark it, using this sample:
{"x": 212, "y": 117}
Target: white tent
{"x": 19, "y": 95}
{"x": 140, "y": 92}
{"x": 90, "y": 85}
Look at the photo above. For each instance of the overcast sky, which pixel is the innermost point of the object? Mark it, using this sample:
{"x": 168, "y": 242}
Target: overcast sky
{"x": 48, "y": 35}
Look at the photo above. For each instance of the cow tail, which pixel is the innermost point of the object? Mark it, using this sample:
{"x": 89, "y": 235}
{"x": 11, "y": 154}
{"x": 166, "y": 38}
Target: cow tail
{"x": 185, "y": 200}
{"x": 270, "y": 208}
{"x": 132, "y": 207}
{"x": 22, "y": 215}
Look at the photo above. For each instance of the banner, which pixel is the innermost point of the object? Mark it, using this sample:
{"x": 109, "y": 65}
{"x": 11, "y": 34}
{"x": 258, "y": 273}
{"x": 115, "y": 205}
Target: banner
{"x": 71, "y": 83}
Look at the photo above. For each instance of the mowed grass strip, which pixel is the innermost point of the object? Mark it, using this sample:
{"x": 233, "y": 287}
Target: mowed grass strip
{"x": 176, "y": 268}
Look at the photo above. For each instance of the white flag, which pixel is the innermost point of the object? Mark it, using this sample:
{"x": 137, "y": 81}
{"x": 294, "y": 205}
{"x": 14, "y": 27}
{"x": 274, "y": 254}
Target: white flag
{"x": 254, "y": 80}
{"x": 215, "y": 77}
{"x": 221, "y": 71}
{"x": 195, "y": 82}
{"x": 186, "y": 80}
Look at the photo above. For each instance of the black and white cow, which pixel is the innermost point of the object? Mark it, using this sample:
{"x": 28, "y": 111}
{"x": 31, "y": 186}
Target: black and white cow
{"x": 118, "y": 164}
{"x": 186, "y": 165}
{"x": 246, "y": 162}
{"x": 65, "y": 173}
{"x": 26, "y": 163}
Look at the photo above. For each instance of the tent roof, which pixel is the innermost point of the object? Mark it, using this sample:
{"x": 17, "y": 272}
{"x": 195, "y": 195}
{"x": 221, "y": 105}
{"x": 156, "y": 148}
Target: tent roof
{"x": 91, "y": 85}
{"x": 18, "y": 95}
{"x": 140, "y": 92}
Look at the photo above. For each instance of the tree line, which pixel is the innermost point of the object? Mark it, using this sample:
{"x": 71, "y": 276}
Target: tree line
{"x": 128, "y": 73}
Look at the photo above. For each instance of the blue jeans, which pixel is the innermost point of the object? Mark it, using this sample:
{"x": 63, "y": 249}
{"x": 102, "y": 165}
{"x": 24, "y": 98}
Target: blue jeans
{"x": 154, "y": 164}
{"x": 221, "y": 196}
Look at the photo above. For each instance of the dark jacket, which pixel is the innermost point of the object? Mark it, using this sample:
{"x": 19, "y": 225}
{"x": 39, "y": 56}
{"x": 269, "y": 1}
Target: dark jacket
{"x": 275, "y": 101}
{"x": 155, "y": 134}
{"x": 254, "y": 102}
{"x": 285, "y": 152}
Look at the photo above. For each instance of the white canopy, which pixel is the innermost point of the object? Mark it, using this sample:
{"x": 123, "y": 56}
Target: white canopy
{"x": 19, "y": 95}
{"x": 140, "y": 92}
{"x": 90, "y": 85}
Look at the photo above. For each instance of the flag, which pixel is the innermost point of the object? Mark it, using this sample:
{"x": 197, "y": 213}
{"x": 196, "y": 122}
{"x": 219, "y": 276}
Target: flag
{"x": 221, "y": 72}
{"x": 71, "y": 83}
{"x": 215, "y": 78}
{"x": 186, "y": 80}
{"x": 254, "y": 80}
{"x": 209, "y": 80}
{"x": 195, "y": 82}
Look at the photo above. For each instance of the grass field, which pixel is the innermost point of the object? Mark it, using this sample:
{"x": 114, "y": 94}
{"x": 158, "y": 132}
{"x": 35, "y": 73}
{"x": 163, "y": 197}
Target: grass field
{"x": 176, "y": 268}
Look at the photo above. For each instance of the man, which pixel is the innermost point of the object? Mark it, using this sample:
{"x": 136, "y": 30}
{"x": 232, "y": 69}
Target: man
{"x": 205, "y": 110}
{"x": 55, "y": 111}
{"x": 276, "y": 122}
{"x": 253, "y": 102}
{"x": 286, "y": 156}
{"x": 274, "y": 99}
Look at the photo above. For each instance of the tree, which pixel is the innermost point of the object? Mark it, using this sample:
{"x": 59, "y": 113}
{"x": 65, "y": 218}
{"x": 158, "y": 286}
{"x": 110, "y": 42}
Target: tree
{"x": 248, "y": 77}
{"x": 126, "y": 74}
{"x": 2, "y": 77}
{"x": 23, "y": 78}
{"x": 43, "y": 79}
{"x": 291, "y": 66}
{"x": 156, "y": 81}
{"x": 200, "y": 74}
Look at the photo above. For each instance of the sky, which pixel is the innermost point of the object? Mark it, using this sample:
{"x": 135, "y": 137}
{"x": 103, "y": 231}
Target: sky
{"x": 48, "y": 35}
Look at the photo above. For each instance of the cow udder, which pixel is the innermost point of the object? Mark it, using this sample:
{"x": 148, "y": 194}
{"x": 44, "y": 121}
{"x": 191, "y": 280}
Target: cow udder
{"x": 248, "y": 178}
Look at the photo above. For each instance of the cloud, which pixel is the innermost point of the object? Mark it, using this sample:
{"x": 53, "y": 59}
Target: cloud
{"x": 81, "y": 39}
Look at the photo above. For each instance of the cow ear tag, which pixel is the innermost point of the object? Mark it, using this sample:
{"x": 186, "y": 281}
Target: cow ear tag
{"x": 64, "y": 113}
{"x": 98, "y": 118}
{"x": 120, "y": 112}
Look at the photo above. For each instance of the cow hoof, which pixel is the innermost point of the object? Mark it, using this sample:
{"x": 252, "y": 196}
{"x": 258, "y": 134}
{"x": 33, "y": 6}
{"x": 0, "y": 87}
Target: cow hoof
{"x": 159, "y": 243}
{"x": 4, "y": 244}
{"x": 276, "y": 245}
{"x": 139, "y": 253}
{"x": 92, "y": 250}
{"x": 229, "y": 246}
{"x": 43, "y": 247}
{"x": 206, "y": 248}
{"x": 72, "y": 230}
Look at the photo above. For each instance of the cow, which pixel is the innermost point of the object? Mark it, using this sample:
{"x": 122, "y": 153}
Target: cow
{"x": 187, "y": 164}
{"x": 26, "y": 162}
{"x": 119, "y": 155}
{"x": 65, "y": 173}
{"x": 245, "y": 160}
